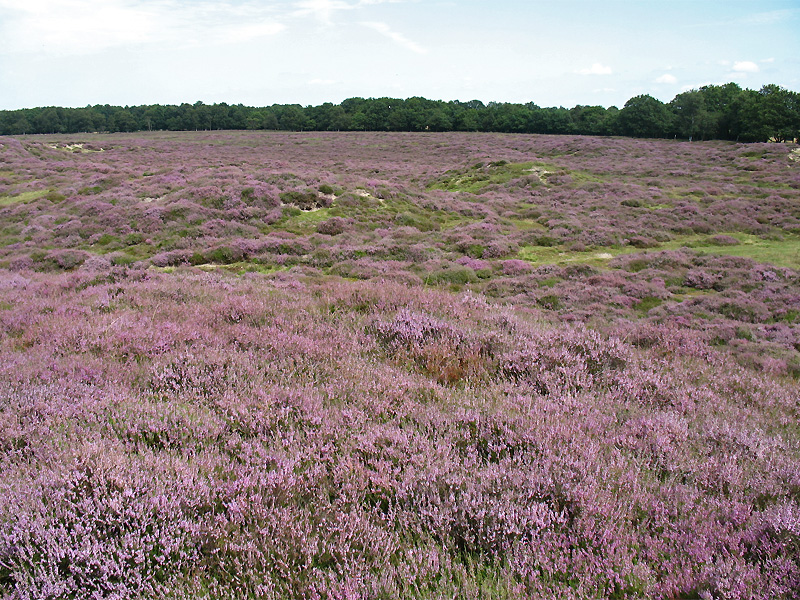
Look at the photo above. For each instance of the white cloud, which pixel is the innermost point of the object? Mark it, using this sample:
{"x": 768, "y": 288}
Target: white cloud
{"x": 745, "y": 66}
{"x": 767, "y": 60}
{"x": 88, "y": 26}
{"x": 596, "y": 69}
{"x": 769, "y": 18}
{"x": 398, "y": 38}
{"x": 321, "y": 9}
{"x": 667, "y": 78}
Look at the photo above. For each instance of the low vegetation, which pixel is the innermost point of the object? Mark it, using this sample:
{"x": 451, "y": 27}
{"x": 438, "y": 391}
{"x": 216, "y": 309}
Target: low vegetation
{"x": 244, "y": 365}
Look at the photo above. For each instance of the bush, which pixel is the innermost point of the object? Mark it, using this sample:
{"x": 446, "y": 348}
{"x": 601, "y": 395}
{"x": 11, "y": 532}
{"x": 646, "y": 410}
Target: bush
{"x": 514, "y": 267}
{"x": 724, "y": 240}
{"x": 456, "y": 274}
{"x": 307, "y": 200}
{"x": 333, "y": 226}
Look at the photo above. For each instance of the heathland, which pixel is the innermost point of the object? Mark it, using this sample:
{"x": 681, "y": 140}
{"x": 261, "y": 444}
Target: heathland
{"x": 398, "y": 365}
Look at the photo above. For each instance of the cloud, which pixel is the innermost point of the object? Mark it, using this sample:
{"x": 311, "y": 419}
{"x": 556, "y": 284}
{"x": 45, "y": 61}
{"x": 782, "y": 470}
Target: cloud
{"x": 767, "y": 60}
{"x": 88, "y": 26}
{"x": 667, "y": 78}
{"x": 596, "y": 69}
{"x": 770, "y": 17}
{"x": 396, "y": 37}
{"x": 745, "y": 66}
{"x": 322, "y": 10}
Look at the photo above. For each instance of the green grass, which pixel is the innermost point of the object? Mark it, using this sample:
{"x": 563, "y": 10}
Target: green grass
{"x": 481, "y": 176}
{"x": 557, "y": 255}
{"x": 239, "y": 267}
{"x": 782, "y": 253}
{"x": 23, "y": 197}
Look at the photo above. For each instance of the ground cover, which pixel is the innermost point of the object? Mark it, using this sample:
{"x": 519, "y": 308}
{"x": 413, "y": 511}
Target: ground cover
{"x": 365, "y": 365}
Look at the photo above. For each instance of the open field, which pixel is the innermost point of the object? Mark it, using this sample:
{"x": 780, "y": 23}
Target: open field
{"x": 365, "y": 365}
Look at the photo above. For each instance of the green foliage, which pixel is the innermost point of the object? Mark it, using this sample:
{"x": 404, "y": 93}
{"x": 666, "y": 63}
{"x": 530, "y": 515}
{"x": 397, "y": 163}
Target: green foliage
{"x": 646, "y": 303}
{"x": 645, "y": 116}
{"x": 549, "y": 302}
{"x": 455, "y": 274}
{"x": 480, "y": 176}
{"x": 304, "y": 200}
{"x": 710, "y": 112}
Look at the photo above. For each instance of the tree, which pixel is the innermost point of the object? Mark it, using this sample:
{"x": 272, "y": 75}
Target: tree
{"x": 692, "y": 120}
{"x": 292, "y": 118}
{"x": 590, "y": 120}
{"x": 779, "y": 113}
{"x": 645, "y": 116}
{"x": 48, "y": 120}
{"x": 719, "y": 102}
{"x": 125, "y": 121}
{"x": 20, "y": 126}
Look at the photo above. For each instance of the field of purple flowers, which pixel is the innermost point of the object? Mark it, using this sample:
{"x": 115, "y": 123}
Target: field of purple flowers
{"x": 365, "y": 365}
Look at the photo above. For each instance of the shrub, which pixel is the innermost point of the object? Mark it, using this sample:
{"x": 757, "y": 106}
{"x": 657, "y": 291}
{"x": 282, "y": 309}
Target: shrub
{"x": 514, "y": 267}
{"x": 305, "y": 200}
{"x": 455, "y": 274}
{"x": 332, "y": 226}
{"x": 724, "y": 240}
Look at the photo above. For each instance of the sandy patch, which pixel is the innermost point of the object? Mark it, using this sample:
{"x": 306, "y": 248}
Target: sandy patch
{"x": 540, "y": 172}
{"x": 76, "y": 147}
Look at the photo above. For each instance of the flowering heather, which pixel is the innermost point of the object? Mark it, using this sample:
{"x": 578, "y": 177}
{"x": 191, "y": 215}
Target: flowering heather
{"x": 257, "y": 365}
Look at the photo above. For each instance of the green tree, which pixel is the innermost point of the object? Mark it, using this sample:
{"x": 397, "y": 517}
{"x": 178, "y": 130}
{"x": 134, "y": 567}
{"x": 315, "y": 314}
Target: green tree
{"x": 125, "y": 121}
{"x": 48, "y": 120}
{"x": 20, "y": 126}
{"x": 589, "y": 120}
{"x": 645, "y": 116}
{"x": 719, "y": 102}
{"x": 692, "y": 120}
{"x": 779, "y": 109}
{"x": 291, "y": 117}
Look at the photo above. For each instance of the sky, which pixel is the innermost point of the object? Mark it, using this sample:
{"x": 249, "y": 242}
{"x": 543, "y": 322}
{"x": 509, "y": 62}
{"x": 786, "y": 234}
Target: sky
{"x": 263, "y": 52}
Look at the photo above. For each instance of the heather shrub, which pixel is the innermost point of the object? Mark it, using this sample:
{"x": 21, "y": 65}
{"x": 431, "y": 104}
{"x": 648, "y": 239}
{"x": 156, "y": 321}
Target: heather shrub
{"x": 332, "y": 226}
{"x": 313, "y": 421}
{"x": 437, "y": 348}
{"x": 723, "y": 240}
{"x": 59, "y": 260}
{"x": 640, "y": 241}
{"x": 516, "y": 267}
{"x": 453, "y": 274}
{"x": 305, "y": 200}
{"x": 223, "y": 255}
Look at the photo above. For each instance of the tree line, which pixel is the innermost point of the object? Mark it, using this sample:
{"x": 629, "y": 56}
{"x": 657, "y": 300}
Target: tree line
{"x": 725, "y": 112}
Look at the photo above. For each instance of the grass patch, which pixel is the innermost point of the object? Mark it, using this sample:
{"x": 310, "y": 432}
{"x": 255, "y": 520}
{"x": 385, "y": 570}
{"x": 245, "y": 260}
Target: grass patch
{"x": 782, "y": 253}
{"x": 302, "y": 222}
{"x": 23, "y": 197}
{"x": 239, "y": 268}
{"x": 646, "y": 303}
{"x": 480, "y": 176}
{"x": 557, "y": 255}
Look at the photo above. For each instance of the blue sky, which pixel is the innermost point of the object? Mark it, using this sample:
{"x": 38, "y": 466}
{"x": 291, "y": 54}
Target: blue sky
{"x": 262, "y": 52}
